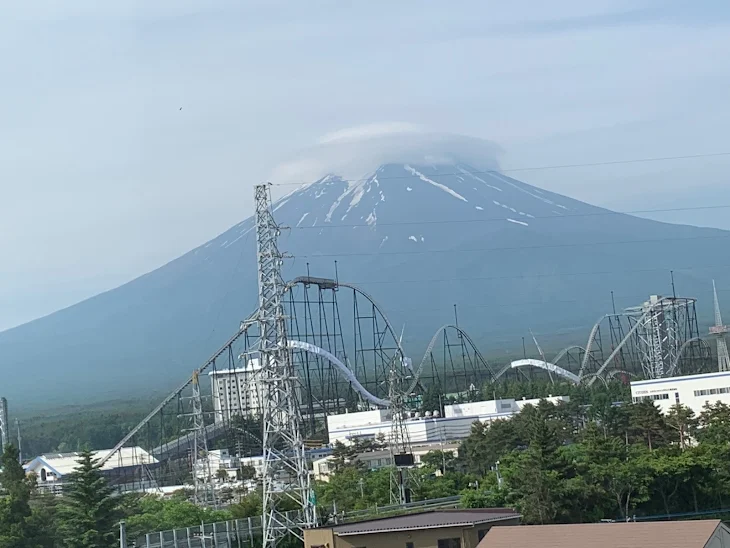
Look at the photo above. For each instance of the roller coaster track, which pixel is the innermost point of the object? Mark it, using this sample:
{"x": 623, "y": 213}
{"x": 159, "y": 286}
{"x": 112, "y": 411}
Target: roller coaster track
{"x": 322, "y": 283}
{"x": 418, "y": 372}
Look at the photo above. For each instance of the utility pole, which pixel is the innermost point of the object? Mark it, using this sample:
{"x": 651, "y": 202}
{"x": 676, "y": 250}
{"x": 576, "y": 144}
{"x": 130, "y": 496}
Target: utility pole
{"x": 4, "y": 424}
{"x": 20, "y": 448}
{"x": 122, "y": 534}
{"x": 285, "y": 470}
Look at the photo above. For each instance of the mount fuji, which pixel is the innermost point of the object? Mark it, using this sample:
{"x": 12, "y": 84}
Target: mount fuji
{"x": 420, "y": 237}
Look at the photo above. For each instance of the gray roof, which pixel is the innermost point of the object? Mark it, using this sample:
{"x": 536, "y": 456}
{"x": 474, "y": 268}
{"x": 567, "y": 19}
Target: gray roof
{"x": 426, "y": 520}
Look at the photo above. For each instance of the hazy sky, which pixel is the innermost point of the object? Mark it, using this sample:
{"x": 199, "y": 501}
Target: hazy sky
{"x": 103, "y": 177}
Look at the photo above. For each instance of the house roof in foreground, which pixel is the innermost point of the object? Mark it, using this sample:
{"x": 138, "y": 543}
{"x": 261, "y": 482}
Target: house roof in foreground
{"x": 658, "y": 534}
{"x": 434, "y": 519}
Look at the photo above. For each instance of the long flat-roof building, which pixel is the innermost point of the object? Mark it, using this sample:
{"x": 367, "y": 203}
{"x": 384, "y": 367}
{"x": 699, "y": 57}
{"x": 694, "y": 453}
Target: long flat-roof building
{"x": 693, "y": 391}
{"x": 434, "y": 529}
{"x": 455, "y": 425}
{"x": 127, "y": 470}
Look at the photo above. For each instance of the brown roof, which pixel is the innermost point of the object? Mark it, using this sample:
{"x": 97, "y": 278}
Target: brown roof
{"x": 426, "y": 520}
{"x": 662, "y": 534}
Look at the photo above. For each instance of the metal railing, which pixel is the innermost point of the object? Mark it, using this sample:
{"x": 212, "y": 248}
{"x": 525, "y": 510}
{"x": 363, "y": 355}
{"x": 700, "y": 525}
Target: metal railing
{"x": 246, "y": 533}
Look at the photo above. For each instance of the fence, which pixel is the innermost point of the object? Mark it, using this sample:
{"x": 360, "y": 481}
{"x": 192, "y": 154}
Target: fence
{"x": 246, "y": 533}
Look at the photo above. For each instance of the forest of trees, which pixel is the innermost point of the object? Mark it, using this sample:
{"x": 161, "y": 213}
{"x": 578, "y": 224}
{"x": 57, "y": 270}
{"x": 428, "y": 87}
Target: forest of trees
{"x": 596, "y": 457}
{"x": 576, "y": 462}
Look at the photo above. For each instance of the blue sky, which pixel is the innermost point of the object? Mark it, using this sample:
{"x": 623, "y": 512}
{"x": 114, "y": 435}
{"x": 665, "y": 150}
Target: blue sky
{"x": 103, "y": 177}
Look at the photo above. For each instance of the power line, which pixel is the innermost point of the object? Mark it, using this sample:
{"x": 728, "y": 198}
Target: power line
{"x": 528, "y": 276}
{"x": 510, "y": 248}
{"x": 504, "y": 219}
{"x": 509, "y": 305}
{"x": 541, "y": 168}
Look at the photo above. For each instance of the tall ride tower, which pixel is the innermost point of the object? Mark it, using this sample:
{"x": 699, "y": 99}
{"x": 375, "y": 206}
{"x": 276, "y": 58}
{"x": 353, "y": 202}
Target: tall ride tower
{"x": 285, "y": 470}
{"x": 719, "y": 331}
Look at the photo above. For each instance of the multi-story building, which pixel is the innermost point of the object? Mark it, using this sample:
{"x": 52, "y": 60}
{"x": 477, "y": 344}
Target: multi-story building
{"x": 692, "y": 391}
{"x": 237, "y": 391}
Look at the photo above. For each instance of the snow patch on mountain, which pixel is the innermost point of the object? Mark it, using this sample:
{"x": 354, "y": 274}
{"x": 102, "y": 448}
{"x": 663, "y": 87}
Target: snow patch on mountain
{"x": 446, "y": 189}
{"x": 470, "y": 174}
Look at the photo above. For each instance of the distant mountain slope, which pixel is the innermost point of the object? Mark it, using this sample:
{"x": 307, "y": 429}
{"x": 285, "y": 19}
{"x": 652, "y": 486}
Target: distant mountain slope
{"x": 420, "y": 238}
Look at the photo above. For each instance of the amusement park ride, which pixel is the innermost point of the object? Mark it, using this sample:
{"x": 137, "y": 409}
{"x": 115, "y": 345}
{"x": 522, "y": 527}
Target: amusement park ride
{"x": 325, "y": 347}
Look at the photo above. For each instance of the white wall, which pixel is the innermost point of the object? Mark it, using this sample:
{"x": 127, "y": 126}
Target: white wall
{"x": 353, "y": 420}
{"x": 692, "y": 391}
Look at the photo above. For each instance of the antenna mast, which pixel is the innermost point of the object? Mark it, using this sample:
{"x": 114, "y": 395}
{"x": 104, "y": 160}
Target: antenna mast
{"x": 285, "y": 466}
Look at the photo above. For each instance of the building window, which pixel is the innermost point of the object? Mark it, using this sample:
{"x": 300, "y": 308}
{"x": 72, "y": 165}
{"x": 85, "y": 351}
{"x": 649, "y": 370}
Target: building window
{"x": 481, "y": 533}
{"x": 409, "y": 545}
{"x": 653, "y": 397}
{"x": 449, "y": 543}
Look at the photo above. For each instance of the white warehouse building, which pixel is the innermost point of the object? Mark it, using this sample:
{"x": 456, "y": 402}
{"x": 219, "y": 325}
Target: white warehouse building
{"x": 455, "y": 425}
{"x": 692, "y": 391}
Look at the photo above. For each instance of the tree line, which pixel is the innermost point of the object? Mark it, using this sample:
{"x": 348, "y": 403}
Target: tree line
{"x": 595, "y": 457}
{"x": 590, "y": 459}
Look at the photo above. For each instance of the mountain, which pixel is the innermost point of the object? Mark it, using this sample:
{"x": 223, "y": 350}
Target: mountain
{"x": 418, "y": 237}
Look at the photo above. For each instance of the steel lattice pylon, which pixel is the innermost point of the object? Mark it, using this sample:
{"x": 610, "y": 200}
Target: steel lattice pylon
{"x": 285, "y": 466}
{"x": 203, "y": 487}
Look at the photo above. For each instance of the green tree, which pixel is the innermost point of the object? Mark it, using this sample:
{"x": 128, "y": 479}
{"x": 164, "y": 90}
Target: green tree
{"x": 439, "y": 460}
{"x": 246, "y": 472}
{"x": 647, "y": 423}
{"x": 87, "y": 516}
{"x": 43, "y": 520}
{"x": 534, "y": 488}
{"x": 624, "y": 477}
{"x": 714, "y": 424}
{"x": 250, "y": 506}
{"x": 157, "y": 514}
{"x": 487, "y": 444}
{"x": 15, "y": 511}
{"x": 681, "y": 419}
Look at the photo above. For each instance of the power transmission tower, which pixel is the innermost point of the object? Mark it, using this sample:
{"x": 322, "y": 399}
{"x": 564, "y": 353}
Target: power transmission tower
{"x": 401, "y": 454}
{"x": 719, "y": 331}
{"x": 204, "y": 491}
{"x": 285, "y": 466}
